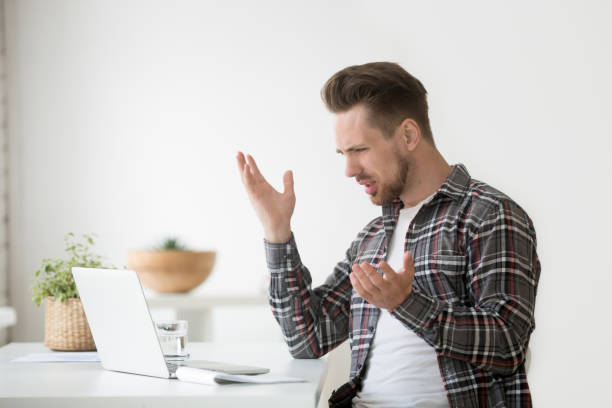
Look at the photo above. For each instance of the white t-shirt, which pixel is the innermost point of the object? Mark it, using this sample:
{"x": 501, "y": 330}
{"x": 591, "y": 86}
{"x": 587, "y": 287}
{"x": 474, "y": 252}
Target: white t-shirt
{"x": 402, "y": 368}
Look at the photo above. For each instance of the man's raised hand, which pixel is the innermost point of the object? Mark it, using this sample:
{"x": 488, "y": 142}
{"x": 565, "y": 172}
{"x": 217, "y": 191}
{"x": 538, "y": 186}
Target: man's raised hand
{"x": 274, "y": 209}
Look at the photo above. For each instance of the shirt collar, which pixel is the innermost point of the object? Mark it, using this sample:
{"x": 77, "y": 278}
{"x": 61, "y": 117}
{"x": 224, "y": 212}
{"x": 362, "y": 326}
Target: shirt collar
{"x": 456, "y": 184}
{"x": 455, "y": 187}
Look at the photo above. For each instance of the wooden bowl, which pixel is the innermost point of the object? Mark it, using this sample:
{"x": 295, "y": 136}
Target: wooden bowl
{"x": 171, "y": 271}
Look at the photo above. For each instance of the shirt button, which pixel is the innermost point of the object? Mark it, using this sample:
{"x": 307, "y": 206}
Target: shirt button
{"x": 371, "y": 328}
{"x": 359, "y": 366}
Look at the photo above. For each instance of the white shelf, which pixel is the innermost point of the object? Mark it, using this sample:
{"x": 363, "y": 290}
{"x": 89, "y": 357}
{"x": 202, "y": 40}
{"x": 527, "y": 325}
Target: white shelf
{"x": 8, "y": 317}
{"x": 202, "y": 301}
{"x": 197, "y": 308}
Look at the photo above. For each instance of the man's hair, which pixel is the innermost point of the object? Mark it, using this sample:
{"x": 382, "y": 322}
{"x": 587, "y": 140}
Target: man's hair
{"x": 390, "y": 93}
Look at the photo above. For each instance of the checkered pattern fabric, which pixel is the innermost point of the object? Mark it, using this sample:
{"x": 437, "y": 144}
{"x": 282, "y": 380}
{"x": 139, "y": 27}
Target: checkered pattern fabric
{"x": 473, "y": 298}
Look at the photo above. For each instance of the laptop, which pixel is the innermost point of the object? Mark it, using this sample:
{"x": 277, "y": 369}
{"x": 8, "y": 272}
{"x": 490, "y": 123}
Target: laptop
{"x": 122, "y": 328}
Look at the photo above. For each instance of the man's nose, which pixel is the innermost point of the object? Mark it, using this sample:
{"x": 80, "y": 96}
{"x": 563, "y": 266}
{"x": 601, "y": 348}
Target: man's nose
{"x": 352, "y": 168}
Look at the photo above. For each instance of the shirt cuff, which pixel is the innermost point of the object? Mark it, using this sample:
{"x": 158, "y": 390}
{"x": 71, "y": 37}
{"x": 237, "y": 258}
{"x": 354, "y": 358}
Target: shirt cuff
{"x": 417, "y": 311}
{"x": 282, "y": 257}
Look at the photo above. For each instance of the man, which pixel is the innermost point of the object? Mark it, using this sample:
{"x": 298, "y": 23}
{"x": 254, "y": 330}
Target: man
{"x": 437, "y": 295}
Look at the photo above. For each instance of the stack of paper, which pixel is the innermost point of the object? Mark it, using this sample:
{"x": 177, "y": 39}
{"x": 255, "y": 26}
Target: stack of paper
{"x": 201, "y": 376}
{"x": 57, "y": 357}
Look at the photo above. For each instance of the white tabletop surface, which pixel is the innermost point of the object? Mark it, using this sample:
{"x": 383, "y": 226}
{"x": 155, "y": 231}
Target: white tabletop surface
{"x": 88, "y": 384}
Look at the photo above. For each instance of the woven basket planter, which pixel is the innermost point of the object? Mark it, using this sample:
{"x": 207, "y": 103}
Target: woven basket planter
{"x": 66, "y": 327}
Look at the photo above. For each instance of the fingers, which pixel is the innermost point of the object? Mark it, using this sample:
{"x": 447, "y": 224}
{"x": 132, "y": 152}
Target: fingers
{"x": 251, "y": 175}
{"x": 240, "y": 160}
{"x": 245, "y": 171}
{"x": 248, "y": 170}
{"x": 389, "y": 274}
{"x": 253, "y": 166}
{"x": 288, "y": 182}
{"x": 408, "y": 262}
{"x": 243, "y": 167}
{"x": 367, "y": 277}
{"x": 247, "y": 163}
{"x": 407, "y": 272}
{"x": 359, "y": 287}
{"x": 372, "y": 274}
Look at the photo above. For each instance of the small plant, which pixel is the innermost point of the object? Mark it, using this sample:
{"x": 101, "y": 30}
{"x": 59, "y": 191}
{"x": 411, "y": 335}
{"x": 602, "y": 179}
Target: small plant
{"x": 171, "y": 244}
{"x": 54, "y": 278}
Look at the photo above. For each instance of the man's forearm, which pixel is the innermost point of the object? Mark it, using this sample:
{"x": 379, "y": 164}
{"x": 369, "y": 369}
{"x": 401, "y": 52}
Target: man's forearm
{"x": 479, "y": 335}
{"x": 311, "y": 320}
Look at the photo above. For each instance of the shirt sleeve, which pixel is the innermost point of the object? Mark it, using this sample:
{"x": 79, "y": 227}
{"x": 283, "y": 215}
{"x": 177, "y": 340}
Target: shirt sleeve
{"x": 502, "y": 275}
{"x": 313, "y": 321}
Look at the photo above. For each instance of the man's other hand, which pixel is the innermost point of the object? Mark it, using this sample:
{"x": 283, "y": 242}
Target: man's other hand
{"x": 387, "y": 291}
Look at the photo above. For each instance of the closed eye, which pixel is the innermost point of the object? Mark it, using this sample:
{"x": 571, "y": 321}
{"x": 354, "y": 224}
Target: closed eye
{"x": 352, "y": 150}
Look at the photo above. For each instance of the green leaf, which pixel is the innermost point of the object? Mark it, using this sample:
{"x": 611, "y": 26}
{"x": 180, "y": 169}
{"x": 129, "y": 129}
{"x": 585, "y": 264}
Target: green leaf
{"x": 172, "y": 244}
{"x": 55, "y": 279}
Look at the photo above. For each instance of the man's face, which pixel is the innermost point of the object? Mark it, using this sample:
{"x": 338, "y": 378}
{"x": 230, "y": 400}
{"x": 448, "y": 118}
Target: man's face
{"x": 381, "y": 165}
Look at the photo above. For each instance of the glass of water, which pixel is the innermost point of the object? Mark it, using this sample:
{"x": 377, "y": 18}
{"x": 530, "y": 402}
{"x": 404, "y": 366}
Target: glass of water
{"x": 172, "y": 336}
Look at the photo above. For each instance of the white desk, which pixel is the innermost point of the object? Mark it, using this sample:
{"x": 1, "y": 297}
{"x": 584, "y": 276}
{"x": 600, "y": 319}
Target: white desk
{"x": 68, "y": 385}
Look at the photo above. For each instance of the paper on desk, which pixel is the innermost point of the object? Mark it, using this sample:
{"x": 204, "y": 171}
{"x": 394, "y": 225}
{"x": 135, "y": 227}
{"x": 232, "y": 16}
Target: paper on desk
{"x": 201, "y": 376}
{"x": 57, "y": 357}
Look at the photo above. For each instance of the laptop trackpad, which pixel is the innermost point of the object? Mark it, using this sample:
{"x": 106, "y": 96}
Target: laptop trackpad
{"x": 225, "y": 367}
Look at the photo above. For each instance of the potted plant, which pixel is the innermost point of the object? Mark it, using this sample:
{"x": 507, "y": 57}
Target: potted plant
{"x": 66, "y": 326}
{"x": 171, "y": 267}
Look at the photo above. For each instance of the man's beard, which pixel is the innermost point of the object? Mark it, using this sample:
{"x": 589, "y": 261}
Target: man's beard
{"x": 386, "y": 193}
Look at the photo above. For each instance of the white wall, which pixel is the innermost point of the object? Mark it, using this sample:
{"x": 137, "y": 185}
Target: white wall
{"x": 125, "y": 118}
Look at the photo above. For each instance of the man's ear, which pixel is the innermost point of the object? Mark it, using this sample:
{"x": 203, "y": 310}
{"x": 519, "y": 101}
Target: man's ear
{"x": 411, "y": 134}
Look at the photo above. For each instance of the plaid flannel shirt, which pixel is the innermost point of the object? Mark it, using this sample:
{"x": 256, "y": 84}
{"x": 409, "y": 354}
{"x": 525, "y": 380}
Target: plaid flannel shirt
{"x": 473, "y": 298}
